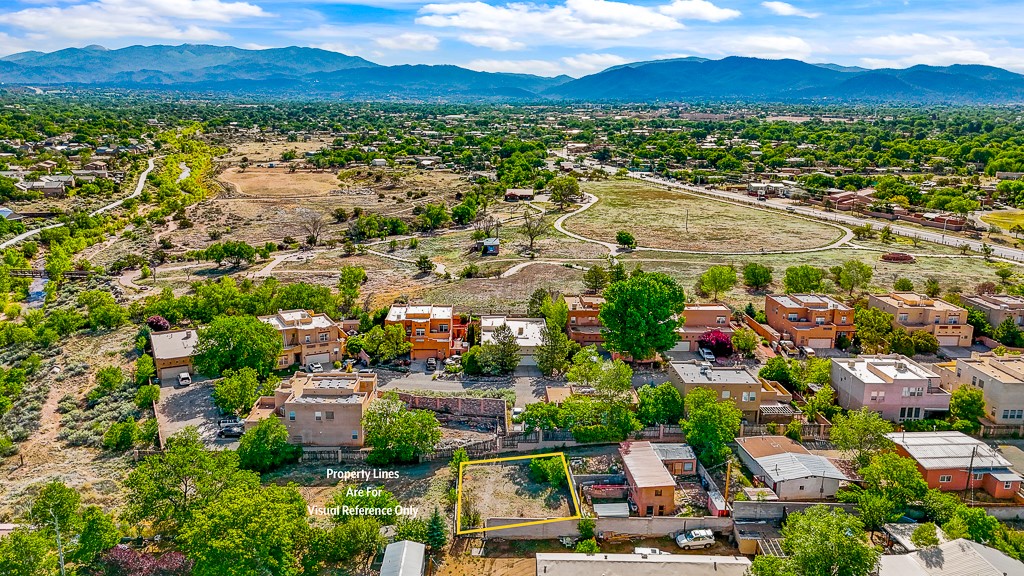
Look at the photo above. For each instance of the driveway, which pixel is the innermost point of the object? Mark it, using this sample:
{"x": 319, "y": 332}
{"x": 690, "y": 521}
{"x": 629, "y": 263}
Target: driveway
{"x": 527, "y": 383}
{"x": 184, "y": 406}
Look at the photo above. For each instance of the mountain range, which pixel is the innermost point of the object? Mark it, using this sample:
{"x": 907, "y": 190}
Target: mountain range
{"x": 311, "y": 73}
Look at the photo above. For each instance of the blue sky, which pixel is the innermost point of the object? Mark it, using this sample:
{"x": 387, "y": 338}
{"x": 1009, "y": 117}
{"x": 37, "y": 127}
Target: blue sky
{"x": 546, "y": 37}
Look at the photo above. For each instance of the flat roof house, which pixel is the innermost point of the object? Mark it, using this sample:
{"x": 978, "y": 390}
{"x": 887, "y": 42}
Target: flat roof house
{"x": 528, "y": 333}
{"x": 747, "y": 390}
{"x": 428, "y": 328}
{"x": 893, "y": 385}
{"x": 998, "y": 307}
{"x": 698, "y": 319}
{"x": 1001, "y": 379}
{"x": 172, "y": 353}
{"x": 516, "y": 194}
{"x": 651, "y": 488}
{"x": 323, "y": 409}
{"x": 569, "y": 564}
{"x": 678, "y": 459}
{"x": 918, "y": 312}
{"x": 307, "y": 337}
{"x": 789, "y": 469}
{"x": 812, "y": 320}
{"x": 947, "y": 459}
{"x": 584, "y": 326}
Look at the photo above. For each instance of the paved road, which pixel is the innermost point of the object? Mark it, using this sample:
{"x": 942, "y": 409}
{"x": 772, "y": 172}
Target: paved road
{"x": 111, "y": 206}
{"x": 927, "y": 235}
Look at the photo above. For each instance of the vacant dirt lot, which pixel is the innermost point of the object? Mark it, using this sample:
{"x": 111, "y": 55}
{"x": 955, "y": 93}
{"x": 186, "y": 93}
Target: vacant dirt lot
{"x": 660, "y": 218}
{"x": 505, "y": 490}
{"x": 270, "y": 151}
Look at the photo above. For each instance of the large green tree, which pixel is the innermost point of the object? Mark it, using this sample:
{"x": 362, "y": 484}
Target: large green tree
{"x": 641, "y": 314}
{"x": 238, "y": 390}
{"x": 397, "y": 434}
{"x": 757, "y": 276}
{"x": 803, "y": 279}
{"x": 718, "y": 279}
{"x": 265, "y": 446}
{"x": 661, "y": 404}
{"x": 967, "y": 403}
{"x": 894, "y": 477}
{"x": 827, "y": 541}
{"x": 854, "y": 274}
{"x": 862, "y": 433}
{"x": 710, "y": 424}
{"x": 873, "y": 329}
{"x": 236, "y": 342}
{"x": 248, "y": 530}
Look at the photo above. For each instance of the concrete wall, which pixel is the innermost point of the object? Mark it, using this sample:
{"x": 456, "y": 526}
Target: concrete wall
{"x": 641, "y": 527}
{"x": 1006, "y": 512}
{"x": 536, "y": 532}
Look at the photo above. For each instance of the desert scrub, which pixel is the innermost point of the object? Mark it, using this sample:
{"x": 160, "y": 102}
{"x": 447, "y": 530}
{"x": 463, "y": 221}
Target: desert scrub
{"x": 84, "y": 423}
{"x": 22, "y": 419}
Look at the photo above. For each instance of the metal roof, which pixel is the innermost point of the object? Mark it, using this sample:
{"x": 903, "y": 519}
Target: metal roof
{"x": 948, "y": 449}
{"x": 613, "y": 510}
{"x": 568, "y": 564}
{"x": 790, "y": 466}
{"x": 674, "y": 451}
{"x": 957, "y": 558}
{"x": 644, "y": 466}
{"x": 404, "y": 558}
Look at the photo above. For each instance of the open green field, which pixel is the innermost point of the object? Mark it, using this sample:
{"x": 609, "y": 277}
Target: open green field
{"x": 660, "y": 218}
{"x": 1005, "y": 219}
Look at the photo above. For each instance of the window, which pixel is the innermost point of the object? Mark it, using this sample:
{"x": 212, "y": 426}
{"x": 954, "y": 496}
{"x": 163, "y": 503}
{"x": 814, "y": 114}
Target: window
{"x": 725, "y": 394}
{"x": 330, "y": 415}
{"x": 842, "y": 319}
{"x": 443, "y": 328}
{"x": 308, "y": 339}
{"x": 791, "y": 317}
{"x": 1007, "y": 485}
{"x": 749, "y": 396}
{"x": 687, "y": 466}
{"x": 978, "y": 476}
{"x": 907, "y": 413}
{"x": 318, "y": 416}
{"x": 878, "y": 395}
{"x": 1013, "y": 414}
{"x": 945, "y": 478}
{"x": 913, "y": 391}
{"x": 420, "y": 332}
{"x": 355, "y": 434}
{"x": 657, "y": 492}
{"x": 291, "y": 416}
{"x": 650, "y": 511}
{"x": 974, "y": 380}
{"x": 720, "y": 320}
{"x": 572, "y": 320}
{"x": 820, "y": 320}
{"x": 661, "y": 510}
{"x": 954, "y": 319}
{"x": 323, "y": 336}
{"x": 801, "y": 488}
{"x": 937, "y": 319}
{"x": 903, "y": 317}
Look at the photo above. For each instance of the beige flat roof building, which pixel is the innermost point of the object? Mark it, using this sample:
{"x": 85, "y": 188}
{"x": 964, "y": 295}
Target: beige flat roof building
{"x": 998, "y": 307}
{"x": 320, "y": 409}
{"x": 911, "y": 311}
{"x": 1001, "y": 378}
{"x": 172, "y": 353}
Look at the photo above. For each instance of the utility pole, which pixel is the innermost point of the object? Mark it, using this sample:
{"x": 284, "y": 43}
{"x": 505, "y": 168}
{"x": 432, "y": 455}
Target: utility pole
{"x": 970, "y": 473}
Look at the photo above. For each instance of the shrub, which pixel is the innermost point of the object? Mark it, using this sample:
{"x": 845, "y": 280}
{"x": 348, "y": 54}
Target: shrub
{"x": 588, "y": 547}
{"x": 121, "y": 436}
{"x": 147, "y": 395}
{"x": 550, "y": 470}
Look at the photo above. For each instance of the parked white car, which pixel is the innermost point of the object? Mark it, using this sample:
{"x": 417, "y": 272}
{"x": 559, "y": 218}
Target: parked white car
{"x": 184, "y": 379}
{"x": 649, "y": 551}
{"x": 696, "y": 539}
{"x": 316, "y": 368}
{"x": 706, "y": 354}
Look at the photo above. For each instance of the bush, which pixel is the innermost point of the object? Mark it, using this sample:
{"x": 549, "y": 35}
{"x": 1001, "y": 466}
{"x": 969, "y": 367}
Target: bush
{"x": 588, "y": 547}
{"x": 550, "y": 470}
{"x": 147, "y": 395}
{"x": 586, "y": 527}
{"x": 121, "y": 436}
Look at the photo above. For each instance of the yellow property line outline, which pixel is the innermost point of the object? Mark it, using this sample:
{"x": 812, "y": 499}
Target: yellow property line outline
{"x": 568, "y": 480}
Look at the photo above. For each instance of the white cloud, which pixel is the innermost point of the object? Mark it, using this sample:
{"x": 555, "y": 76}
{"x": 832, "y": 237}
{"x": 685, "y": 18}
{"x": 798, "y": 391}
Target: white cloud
{"x": 105, "y": 19}
{"x": 409, "y": 41}
{"x": 499, "y": 43}
{"x": 578, "y": 65}
{"x": 787, "y": 9}
{"x": 767, "y": 46}
{"x": 910, "y": 43}
{"x": 577, "y": 20}
{"x": 698, "y": 10}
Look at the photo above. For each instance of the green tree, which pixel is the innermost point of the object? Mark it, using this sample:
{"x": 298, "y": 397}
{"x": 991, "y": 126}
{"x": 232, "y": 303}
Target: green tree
{"x": 873, "y": 329}
{"x": 1008, "y": 334}
{"x": 236, "y": 342}
{"x": 757, "y": 276}
{"x": 98, "y": 535}
{"x": 553, "y": 352}
{"x": 437, "y": 532}
{"x": 940, "y": 506}
{"x": 972, "y": 523}
{"x": 903, "y": 285}
{"x": 827, "y": 541}
{"x": 895, "y": 477}
{"x": 387, "y": 343}
{"x": 454, "y": 465}
{"x": 661, "y": 404}
{"x": 595, "y": 278}
{"x": 564, "y": 191}
{"x": 265, "y": 447}
{"x": 145, "y": 369}
{"x": 640, "y": 315}
{"x": 925, "y": 536}
{"x": 803, "y": 279}
{"x": 967, "y": 403}
{"x": 718, "y": 279}
{"x": 352, "y": 542}
{"x": 168, "y": 488}
{"x": 625, "y": 239}
{"x": 932, "y": 288}
{"x": 745, "y": 341}
{"x": 248, "y": 530}
{"x": 861, "y": 432}
{"x": 500, "y": 355}
{"x": 121, "y": 436}
{"x": 855, "y": 274}
{"x": 238, "y": 390}
{"x": 875, "y": 510}
{"x": 102, "y": 312}
{"x": 924, "y": 342}
{"x": 535, "y": 306}
{"x": 424, "y": 265}
{"x": 397, "y": 434}
{"x": 433, "y": 216}
{"x": 26, "y": 552}
{"x": 710, "y": 425}
{"x": 588, "y": 547}
{"x": 349, "y": 282}
{"x": 980, "y": 322}
{"x": 54, "y": 512}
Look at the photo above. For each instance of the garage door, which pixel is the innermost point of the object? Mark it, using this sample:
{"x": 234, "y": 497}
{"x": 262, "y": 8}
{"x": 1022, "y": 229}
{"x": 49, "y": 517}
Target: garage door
{"x": 169, "y": 375}
{"x": 324, "y": 358}
{"x": 819, "y": 343}
{"x": 683, "y": 346}
{"x": 422, "y": 354}
{"x": 949, "y": 340}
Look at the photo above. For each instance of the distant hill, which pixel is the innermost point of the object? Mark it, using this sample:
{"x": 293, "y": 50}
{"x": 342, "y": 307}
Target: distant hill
{"x": 310, "y": 73}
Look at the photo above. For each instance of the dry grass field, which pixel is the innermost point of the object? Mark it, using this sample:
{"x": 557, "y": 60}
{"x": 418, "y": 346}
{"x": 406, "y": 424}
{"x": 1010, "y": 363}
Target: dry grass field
{"x": 279, "y": 183}
{"x": 270, "y": 151}
{"x": 660, "y": 218}
{"x": 505, "y": 490}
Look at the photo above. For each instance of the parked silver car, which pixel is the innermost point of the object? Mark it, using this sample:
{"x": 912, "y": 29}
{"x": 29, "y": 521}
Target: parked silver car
{"x": 700, "y": 538}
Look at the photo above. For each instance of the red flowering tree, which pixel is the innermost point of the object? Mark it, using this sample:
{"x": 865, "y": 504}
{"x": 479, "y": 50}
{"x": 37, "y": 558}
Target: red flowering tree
{"x": 717, "y": 341}
{"x": 158, "y": 323}
{"x": 121, "y": 561}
